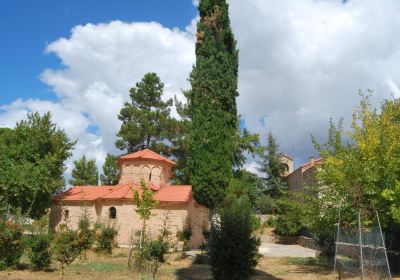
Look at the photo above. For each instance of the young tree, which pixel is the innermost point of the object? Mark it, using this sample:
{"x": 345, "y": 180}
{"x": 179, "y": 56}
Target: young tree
{"x": 145, "y": 203}
{"x": 111, "y": 171}
{"x": 84, "y": 173}
{"x": 32, "y": 157}
{"x": 214, "y": 133}
{"x": 66, "y": 247}
{"x": 146, "y": 118}
{"x": 272, "y": 165}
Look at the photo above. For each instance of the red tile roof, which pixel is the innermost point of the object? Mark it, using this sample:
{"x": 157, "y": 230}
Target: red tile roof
{"x": 146, "y": 154}
{"x": 177, "y": 194}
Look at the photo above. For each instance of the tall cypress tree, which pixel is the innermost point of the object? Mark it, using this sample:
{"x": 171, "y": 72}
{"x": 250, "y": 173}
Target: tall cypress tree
{"x": 214, "y": 133}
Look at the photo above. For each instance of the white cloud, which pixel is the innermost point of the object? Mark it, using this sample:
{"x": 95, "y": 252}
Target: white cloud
{"x": 301, "y": 62}
{"x": 99, "y": 65}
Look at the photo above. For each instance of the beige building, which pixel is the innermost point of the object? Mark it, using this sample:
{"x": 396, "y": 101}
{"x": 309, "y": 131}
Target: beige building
{"x": 115, "y": 203}
{"x": 304, "y": 175}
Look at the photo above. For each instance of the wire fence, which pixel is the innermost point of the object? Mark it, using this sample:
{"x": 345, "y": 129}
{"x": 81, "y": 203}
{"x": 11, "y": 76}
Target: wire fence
{"x": 360, "y": 251}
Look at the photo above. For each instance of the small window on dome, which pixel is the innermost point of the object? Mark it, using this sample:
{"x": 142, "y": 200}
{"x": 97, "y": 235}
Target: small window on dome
{"x": 113, "y": 213}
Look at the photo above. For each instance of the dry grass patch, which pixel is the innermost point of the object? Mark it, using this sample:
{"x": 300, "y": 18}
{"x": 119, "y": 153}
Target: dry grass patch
{"x": 113, "y": 267}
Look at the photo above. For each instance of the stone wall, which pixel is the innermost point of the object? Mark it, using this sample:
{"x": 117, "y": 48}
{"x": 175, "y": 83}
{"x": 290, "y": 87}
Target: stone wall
{"x": 128, "y": 222}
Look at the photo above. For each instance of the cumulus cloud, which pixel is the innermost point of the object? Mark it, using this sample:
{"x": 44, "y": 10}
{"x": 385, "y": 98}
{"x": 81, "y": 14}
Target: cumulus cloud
{"x": 99, "y": 64}
{"x": 301, "y": 63}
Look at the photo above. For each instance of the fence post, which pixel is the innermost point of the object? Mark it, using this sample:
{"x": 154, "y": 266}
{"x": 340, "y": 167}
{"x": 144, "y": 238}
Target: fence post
{"x": 361, "y": 246}
{"x": 336, "y": 244}
{"x": 383, "y": 244}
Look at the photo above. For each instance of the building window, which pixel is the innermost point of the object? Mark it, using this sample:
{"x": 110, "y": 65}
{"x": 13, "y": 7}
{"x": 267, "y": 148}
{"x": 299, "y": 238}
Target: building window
{"x": 113, "y": 213}
{"x": 66, "y": 214}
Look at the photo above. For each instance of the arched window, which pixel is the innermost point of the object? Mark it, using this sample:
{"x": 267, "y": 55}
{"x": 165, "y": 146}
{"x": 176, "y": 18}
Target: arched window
{"x": 66, "y": 214}
{"x": 113, "y": 213}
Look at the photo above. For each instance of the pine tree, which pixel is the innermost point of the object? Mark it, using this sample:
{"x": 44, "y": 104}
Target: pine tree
{"x": 111, "y": 171}
{"x": 214, "y": 130}
{"x": 272, "y": 165}
{"x": 84, "y": 173}
{"x": 146, "y": 118}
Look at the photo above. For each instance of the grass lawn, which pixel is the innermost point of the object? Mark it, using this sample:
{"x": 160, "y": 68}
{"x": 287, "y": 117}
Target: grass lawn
{"x": 114, "y": 268}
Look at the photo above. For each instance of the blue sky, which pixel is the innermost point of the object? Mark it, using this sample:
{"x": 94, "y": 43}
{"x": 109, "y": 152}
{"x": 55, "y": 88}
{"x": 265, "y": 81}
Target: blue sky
{"x": 26, "y": 27}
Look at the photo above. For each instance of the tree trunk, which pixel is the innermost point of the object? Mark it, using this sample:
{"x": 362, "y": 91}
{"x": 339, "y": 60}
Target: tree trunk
{"x": 130, "y": 251}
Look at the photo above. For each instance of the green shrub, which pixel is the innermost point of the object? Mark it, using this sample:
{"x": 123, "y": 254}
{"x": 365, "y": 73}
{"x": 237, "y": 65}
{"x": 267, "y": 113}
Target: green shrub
{"x": 233, "y": 248}
{"x": 11, "y": 245}
{"x": 86, "y": 234}
{"x": 255, "y": 222}
{"x": 266, "y": 204}
{"x": 66, "y": 247}
{"x": 39, "y": 251}
{"x": 184, "y": 235}
{"x": 288, "y": 221}
{"x": 154, "y": 253}
{"x": 106, "y": 238}
{"x": 271, "y": 221}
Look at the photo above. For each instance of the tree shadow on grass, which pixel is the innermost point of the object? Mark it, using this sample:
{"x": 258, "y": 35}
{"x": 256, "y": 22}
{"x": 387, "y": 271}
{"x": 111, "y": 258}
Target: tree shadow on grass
{"x": 201, "y": 271}
{"x": 25, "y": 266}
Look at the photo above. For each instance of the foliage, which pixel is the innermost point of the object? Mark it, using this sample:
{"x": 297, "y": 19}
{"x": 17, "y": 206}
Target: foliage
{"x": 154, "y": 251}
{"x": 213, "y": 141}
{"x": 272, "y": 165}
{"x": 145, "y": 203}
{"x": 111, "y": 172}
{"x": 362, "y": 173}
{"x": 84, "y": 173}
{"x": 106, "y": 238}
{"x": 271, "y": 221}
{"x": 185, "y": 234}
{"x": 266, "y": 204}
{"x": 66, "y": 247}
{"x": 86, "y": 234}
{"x": 288, "y": 221}
{"x": 146, "y": 118}
{"x": 11, "y": 245}
{"x": 39, "y": 251}
{"x": 233, "y": 248}
{"x": 32, "y": 157}
{"x": 244, "y": 184}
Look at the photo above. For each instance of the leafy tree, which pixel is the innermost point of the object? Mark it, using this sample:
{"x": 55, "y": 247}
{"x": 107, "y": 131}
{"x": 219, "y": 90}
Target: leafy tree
{"x": 32, "y": 157}
{"x": 84, "y": 173}
{"x": 111, "y": 171}
{"x": 272, "y": 165}
{"x": 213, "y": 141}
{"x": 362, "y": 173}
{"x": 146, "y": 118}
{"x": 233, "y": 248}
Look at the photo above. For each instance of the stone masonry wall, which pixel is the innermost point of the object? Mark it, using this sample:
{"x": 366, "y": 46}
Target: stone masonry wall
{"x": 128, "y": 222}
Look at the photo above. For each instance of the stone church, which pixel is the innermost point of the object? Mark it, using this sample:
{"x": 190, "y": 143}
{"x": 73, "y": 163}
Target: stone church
{"x": 115, "y": 203}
